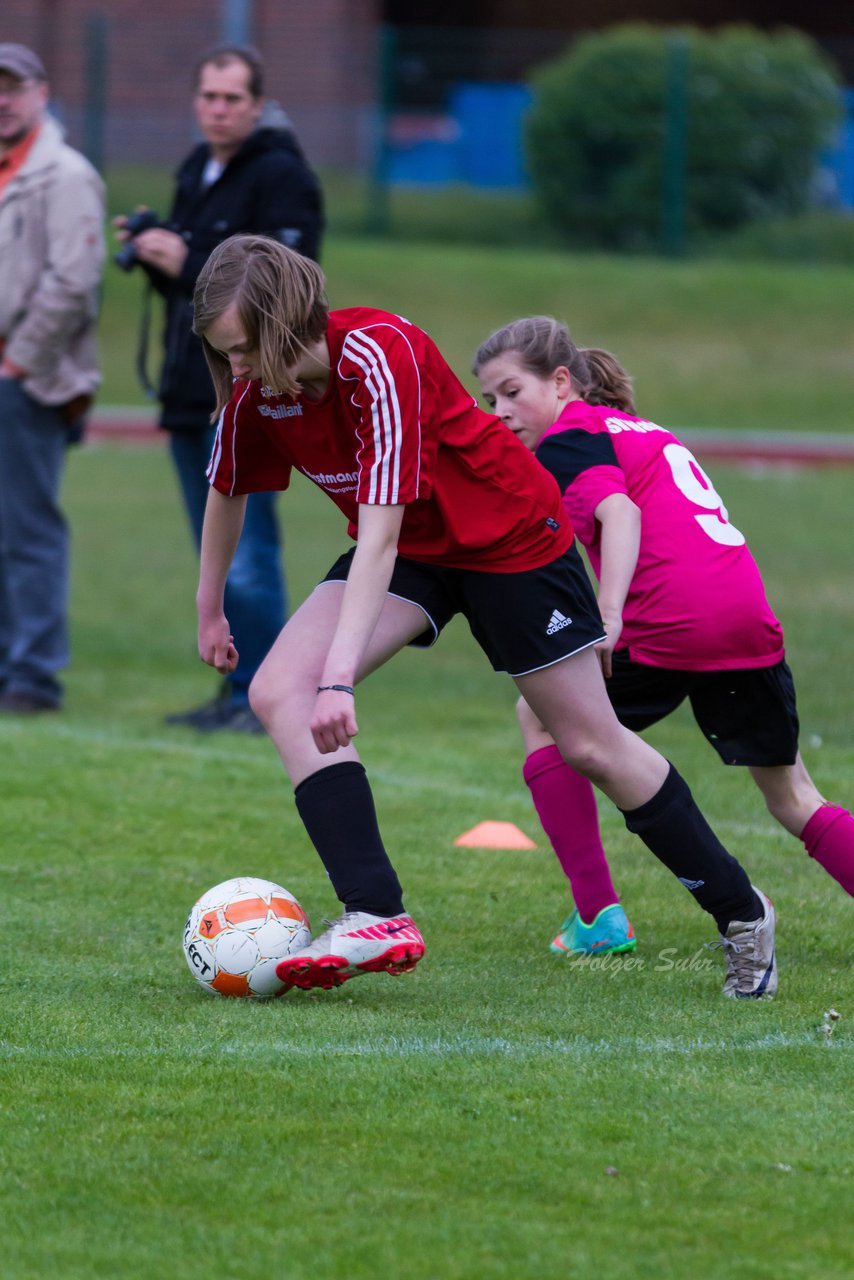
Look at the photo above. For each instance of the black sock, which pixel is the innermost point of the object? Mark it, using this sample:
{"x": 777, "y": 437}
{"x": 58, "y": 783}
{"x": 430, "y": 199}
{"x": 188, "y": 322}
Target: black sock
{"x": 674, "y": 829}
{"x": 337, "y": 808}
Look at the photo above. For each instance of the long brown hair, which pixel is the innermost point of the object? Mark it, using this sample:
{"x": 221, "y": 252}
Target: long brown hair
{"x": 543, "y": 344}
{"x": 280, "y": 298}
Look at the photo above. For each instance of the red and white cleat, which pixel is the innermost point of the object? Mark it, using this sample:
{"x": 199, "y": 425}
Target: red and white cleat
{"x": 356, "y": 943}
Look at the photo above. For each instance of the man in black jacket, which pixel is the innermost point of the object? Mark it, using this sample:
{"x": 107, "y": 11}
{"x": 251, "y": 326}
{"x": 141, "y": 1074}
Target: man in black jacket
{"x": 249, "y": 175}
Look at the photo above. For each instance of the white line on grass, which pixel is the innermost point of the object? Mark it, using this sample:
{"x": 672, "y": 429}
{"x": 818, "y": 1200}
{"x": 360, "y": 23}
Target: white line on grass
{"x": 435, "y": 1047}
{"x": 172, "y": 745}
{"x": 200, "y": 750}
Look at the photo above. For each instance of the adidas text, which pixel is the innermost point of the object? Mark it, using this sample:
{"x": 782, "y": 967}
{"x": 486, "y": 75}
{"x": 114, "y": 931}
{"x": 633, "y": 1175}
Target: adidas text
{"x": 557, "y": 622}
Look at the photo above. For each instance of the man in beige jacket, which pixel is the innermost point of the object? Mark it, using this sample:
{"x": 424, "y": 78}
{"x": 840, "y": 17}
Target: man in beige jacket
{"x": 51, "y": 259}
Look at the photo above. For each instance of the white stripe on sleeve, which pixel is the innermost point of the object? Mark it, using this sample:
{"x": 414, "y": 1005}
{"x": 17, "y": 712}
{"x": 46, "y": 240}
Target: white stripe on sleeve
{"x": 216, "y": 455}
{"x": 386, "y": 417}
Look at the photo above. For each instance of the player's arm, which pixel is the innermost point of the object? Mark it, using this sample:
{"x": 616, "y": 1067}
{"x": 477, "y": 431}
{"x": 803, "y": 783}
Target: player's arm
{"x": 334, "y": 720}
{"x": 620, "y": 521}
{"x": 220, "y": 535}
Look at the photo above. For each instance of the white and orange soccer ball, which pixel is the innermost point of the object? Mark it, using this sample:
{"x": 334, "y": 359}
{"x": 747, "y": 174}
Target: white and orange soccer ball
{"x": 238, "y": 932}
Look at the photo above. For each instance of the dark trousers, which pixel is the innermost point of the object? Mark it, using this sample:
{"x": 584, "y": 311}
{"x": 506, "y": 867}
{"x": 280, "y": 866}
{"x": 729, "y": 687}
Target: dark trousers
{"x": 34, "y": 545}
{"x": 255, "y": 595}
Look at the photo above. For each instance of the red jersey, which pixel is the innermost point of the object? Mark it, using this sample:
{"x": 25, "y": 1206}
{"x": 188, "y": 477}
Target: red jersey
{"x": 395, "y": 426}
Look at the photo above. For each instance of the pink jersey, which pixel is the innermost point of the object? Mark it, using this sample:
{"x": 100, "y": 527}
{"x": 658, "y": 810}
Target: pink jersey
{"x": 696, "y": 602}
{"x": 396, "y": 427}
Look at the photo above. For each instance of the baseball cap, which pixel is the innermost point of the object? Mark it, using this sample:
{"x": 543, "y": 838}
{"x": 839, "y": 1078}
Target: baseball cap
{"x": 18, "y": 60}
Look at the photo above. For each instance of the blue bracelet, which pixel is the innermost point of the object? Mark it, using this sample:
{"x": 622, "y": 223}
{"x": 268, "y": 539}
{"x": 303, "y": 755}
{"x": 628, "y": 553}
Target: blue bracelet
{"x": 339, "y": 688}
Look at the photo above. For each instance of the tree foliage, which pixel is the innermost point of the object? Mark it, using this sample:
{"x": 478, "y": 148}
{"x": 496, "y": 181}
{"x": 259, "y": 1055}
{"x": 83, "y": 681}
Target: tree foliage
{"x": 748, "y": 111}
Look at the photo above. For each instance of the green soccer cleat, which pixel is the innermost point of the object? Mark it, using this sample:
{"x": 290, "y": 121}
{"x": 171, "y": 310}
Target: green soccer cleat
{"x": 610, "y": 931}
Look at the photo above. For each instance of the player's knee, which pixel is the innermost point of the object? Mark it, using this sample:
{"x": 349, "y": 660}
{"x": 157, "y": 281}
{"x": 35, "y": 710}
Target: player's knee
{"x": 587, "y": 757}
{"x": 526, "y": 718}
{"x": 281, "y": 693}
{"x": 534, "y": 734}
{"x": 790, "y": 796}
{"x": 259, "y": 697}
{"x": 792, "y": 811}
{"x": 266, "y": 694}
{"x": 774, "y": 805}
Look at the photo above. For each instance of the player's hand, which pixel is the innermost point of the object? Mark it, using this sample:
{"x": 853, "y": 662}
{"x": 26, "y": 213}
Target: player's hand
{"x": 165, "y": 250}
{"x": 333, "y": 724}
{"x": 613, "y": 628}
{"x": 216, "y": 645}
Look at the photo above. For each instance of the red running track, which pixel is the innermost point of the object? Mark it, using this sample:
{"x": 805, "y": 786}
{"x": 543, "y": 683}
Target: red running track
{"x": 783, "y": 448}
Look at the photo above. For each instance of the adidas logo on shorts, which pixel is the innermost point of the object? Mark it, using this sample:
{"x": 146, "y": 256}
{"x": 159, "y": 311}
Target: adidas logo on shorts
{"x": 557, "y": 622}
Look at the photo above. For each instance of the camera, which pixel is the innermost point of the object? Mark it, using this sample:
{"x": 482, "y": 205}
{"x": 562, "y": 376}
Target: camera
{"x": 142, "y": 220}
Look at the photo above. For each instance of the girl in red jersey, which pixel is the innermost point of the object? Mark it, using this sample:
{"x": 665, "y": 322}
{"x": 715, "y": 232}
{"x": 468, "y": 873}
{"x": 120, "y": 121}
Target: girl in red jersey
{"x": 450, "y": 514}
{"x": 681, "y": 598}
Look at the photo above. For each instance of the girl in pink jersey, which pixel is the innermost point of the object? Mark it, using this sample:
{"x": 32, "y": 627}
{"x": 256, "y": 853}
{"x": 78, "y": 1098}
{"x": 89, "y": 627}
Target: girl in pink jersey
{"x": 681, "y": 598}
{"x": 450, "y": 514}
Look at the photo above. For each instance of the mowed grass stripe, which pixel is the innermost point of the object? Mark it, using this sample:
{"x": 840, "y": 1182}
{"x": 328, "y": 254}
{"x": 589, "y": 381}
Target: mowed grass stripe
{"x": 199, "y": 750}
{"x": 266, "y": 1050}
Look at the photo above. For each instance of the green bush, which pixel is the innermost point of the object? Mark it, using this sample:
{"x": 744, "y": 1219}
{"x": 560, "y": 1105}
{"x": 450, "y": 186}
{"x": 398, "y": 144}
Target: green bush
{"x": 613, "y": 117}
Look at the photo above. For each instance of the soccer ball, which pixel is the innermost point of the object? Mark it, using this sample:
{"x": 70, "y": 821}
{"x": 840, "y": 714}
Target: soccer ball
{"x": 238, "y": 932}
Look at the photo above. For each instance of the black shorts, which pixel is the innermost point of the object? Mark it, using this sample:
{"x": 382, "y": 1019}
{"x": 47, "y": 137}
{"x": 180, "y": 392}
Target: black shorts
{"x": 522, "y": 621}
{"x": 749, "y": 717}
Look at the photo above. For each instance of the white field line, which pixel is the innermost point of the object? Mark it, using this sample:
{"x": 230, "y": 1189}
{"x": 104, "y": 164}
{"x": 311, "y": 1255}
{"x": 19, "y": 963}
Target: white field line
{"x": 127, "y": 741}
{"x": 408, "y": 780}
{"x": 189, "y": 749}
{"x": 438, "y": 1047}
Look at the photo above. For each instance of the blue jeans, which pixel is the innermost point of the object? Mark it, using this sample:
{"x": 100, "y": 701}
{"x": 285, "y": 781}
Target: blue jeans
{"x": 255, "y": 596}
{"x": 34, "y": 546}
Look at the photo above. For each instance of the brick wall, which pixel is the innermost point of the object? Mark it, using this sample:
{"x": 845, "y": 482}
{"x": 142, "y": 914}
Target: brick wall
{"x": 320, "y": 57}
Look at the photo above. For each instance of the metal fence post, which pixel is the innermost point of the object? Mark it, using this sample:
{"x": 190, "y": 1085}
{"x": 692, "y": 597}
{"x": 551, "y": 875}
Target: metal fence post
{"x": 95, "y": 101}
{"x": 674, "y": 145}
{"x": 236, "y": 21}
{"x": 378, "y": 216}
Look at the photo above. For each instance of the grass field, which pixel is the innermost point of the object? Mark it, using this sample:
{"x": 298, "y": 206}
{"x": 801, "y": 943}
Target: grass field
{"x": 711, "y": 343}
{"x": 748, "y": 345}
{"x": 498, "y": 1113}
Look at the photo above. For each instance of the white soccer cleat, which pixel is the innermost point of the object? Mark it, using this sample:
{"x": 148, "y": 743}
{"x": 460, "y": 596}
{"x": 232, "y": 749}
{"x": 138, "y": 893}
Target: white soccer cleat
{"x": 356, "y": 943}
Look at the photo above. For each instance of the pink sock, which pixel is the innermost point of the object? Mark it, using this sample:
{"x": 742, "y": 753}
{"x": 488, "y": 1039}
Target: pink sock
{"x": 829, "y": 838}
{"x": 566, "y": 807}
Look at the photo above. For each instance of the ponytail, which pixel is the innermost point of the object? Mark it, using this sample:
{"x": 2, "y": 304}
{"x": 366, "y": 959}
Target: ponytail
{"x": 608, "y": 382}
{"x": 543, "y": 344}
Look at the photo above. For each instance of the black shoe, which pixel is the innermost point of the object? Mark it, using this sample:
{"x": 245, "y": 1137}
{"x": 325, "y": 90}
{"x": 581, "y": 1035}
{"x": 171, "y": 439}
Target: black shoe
{"x": 202, "y": 718}
{"x": 243, "y": 720}
{"x": 221, "y": 713}
{"x": 25, "y": 704}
